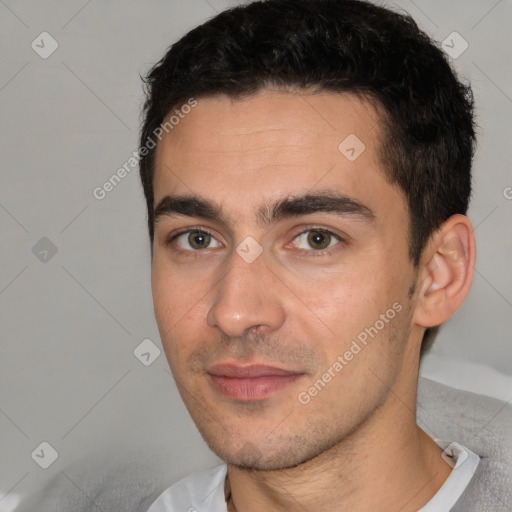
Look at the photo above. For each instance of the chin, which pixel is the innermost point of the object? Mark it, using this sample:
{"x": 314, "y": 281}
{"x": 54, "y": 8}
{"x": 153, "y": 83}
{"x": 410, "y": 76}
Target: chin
{"x": 278, "y": 454}
{"x": 252, "y": 459}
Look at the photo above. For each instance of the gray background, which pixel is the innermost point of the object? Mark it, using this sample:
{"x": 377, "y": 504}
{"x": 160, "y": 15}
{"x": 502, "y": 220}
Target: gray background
{"x": 69, "y": 322}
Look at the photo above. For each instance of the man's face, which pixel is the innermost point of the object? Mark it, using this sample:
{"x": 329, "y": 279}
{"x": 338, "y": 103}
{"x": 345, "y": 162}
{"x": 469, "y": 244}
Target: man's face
{"x": 256, "y": 304}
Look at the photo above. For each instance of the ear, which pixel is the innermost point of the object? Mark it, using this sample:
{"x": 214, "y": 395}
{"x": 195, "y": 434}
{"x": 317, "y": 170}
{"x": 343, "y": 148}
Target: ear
{"x": 446, "y": 271}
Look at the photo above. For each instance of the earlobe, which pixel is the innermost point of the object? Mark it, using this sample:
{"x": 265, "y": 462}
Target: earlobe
{"x": 446, "y": 272}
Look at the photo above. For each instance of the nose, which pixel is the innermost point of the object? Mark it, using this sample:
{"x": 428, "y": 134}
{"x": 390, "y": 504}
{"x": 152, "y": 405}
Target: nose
{"x": 247, "y": 297}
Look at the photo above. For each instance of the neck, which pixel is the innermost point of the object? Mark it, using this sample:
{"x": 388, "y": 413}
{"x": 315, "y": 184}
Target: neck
{"x": 389, "y": 464}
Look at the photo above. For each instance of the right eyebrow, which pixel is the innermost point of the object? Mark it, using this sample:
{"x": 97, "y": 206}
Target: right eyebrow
{"x": 189, "y": 206}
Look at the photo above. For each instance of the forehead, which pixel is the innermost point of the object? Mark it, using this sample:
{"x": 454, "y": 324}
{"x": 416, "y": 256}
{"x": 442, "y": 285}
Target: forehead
{"x": 273, "y": 144}
{"x": 220, "y": 123}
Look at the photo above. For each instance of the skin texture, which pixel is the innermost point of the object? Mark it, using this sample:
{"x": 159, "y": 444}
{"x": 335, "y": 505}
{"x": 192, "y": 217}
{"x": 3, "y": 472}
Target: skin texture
{"x": 355, "y": 445}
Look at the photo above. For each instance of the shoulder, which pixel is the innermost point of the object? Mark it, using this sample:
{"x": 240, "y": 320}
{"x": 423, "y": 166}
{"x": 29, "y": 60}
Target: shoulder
{"x": 476, "y": 421}
{"x": 200, "y": 491}
{"x": 482, "y": 424}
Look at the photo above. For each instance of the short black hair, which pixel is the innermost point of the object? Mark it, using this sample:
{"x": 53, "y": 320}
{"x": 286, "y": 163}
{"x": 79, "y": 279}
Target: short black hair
{"x": 354, "y": 46}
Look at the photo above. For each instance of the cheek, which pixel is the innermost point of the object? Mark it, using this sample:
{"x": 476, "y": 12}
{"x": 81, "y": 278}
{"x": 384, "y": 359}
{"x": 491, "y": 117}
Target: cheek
{"x": 179, "y": 307}
{"x": 362, "y": 351}
{"x": 346, "y": 307}
{"x": 175, "y": 292}
{"x": 344, "y": 300}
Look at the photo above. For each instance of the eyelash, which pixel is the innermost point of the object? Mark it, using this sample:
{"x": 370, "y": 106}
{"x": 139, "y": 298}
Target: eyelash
{"x": 324, "y": 252}
{"x": 312, "y": 252}
{"x": 194, "y": 229}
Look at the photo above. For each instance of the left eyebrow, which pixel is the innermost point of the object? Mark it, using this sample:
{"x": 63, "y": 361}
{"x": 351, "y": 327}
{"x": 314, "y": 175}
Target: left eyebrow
{"x": 291, "y": 206}
{"x": 308, "y": 204}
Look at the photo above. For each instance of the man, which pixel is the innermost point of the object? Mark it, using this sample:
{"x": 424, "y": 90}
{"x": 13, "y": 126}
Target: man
{"x": 307, "y": 171}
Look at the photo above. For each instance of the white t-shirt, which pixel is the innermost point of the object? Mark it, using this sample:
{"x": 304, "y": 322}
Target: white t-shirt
{"x": 204, "y": 491}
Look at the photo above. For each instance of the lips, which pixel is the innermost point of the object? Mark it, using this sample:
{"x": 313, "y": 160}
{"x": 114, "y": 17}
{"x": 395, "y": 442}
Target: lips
{"x": 253, "y": 382}
{"x": 231, "y": 370}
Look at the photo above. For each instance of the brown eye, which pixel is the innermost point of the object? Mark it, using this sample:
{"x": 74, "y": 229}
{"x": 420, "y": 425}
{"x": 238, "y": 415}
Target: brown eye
{"x": 319, "y": 239}
{"x": 199, "y": 239}
{"x": 194, "y": 240}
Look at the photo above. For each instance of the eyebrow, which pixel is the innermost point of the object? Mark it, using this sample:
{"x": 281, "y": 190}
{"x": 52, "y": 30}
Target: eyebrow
{"x": 271, "y": 213}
